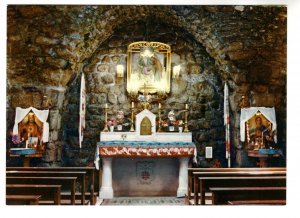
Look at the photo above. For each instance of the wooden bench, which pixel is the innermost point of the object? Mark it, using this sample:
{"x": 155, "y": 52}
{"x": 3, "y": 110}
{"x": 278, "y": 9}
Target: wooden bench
{"x": 221, "y": 195}
{"x": 66, "y": 182}
{"x": 257, "y": 202}
{"x": 91, "y": 174}
{"x": 235, "y": 181}
{"x": 193, "y": 183}
{"x": 228, "y": 174}
{"x": 51, "y": 192}
{"x": 22, "y": 199}
{"x": 78, "y": 174}
{"x": 192, "y": 170}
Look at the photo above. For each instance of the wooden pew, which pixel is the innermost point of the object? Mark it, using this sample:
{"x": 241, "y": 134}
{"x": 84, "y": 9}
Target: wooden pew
{"x": 222, "y": 195}
{"x": 257, "y": 202}
{"x": 91, "y": 174}
{"x": 237, "y": 181}
{"x": 46, "y": 191}
{"x": 191, "y": 170}
{"x": 68, "y": 182}
{"x": 79, "y": 174}
{"x": 228, "y": 174}
{"x": 22, "y": 199}
{"x": 236, "y": 172}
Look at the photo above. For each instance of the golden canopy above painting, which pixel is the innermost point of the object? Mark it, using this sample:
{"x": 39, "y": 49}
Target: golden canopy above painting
{"x": 148, "y": 67}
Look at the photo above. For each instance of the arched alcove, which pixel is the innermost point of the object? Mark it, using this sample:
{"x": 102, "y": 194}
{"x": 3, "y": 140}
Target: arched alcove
{"x": 49, "y": 46}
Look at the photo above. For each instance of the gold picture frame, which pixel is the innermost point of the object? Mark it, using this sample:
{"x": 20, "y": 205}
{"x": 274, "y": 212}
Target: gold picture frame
{"x": 148, "y": 67}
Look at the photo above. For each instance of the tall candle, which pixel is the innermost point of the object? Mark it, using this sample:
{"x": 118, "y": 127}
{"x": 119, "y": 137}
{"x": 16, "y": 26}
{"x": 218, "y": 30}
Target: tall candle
{"x": 159, "y": 105}
{"x": 186, "y": 106}
{"x": 106, "y": 105}
{"x": 132, "y": 104}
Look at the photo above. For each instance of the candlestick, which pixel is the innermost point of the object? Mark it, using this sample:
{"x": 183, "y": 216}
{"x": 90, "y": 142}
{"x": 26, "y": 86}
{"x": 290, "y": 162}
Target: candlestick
{"x": 159, "y": 118}
{"x": 27, "y": 141}
{"x": 186, "y": 129}
{"x": 105, "y": 122}
{"x": 132, "y": 118}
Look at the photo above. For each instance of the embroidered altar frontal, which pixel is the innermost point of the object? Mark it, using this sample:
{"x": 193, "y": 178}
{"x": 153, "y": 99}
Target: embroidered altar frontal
{"x": 146, "y": 149}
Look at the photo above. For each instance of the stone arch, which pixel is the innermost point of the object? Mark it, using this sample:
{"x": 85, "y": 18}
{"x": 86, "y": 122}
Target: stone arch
{"x": 50, "y": 45}
{"x": 171, "y": 16}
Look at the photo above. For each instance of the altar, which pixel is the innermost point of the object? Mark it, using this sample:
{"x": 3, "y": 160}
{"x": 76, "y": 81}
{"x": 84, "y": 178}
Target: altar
{"x": 156, "y": 167}
{"x": 145, "y": 160}
{"x": 144, "y": 165}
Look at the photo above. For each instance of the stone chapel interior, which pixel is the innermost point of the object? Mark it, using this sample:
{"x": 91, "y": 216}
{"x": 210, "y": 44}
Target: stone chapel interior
{"x": 147, "y": 104}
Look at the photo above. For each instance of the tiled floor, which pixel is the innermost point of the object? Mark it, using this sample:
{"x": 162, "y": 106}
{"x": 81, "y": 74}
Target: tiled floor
{"x": 142, "y": 201}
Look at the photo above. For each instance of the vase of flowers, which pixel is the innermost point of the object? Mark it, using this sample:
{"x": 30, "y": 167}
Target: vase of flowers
{"x": 111, "y": 124}
{"x": 120, "y": 120}
{"x": 179, "y": 123}
{"x": 119, "y": 127}
{"x": 16, "y": 139}
{"x": 171, "y": 128}
{"x": 172, "y": 121}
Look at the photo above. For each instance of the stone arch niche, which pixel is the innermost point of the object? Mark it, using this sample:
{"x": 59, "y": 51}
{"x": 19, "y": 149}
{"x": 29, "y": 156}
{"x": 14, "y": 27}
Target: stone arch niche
{"x": 94, "y": 38}
{"x": 63, "y": 58}
{"x": 198, "y": 85}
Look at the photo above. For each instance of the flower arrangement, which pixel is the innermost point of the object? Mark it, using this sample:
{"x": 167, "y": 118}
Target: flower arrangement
{"x": 120, "y": 121}
{"x": 179, "y": 123}
{"x": 120, "y": 118}
{"x": 165, "y": 123}
{"x": 176, "y": 123}
{"x": 16, "y": 139}
{"x": 111, "y": 122}
{"x": 171, "y": 122}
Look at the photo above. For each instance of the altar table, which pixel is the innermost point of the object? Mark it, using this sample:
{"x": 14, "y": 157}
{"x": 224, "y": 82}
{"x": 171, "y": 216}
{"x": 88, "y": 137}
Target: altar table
{"x": 164, "y": 149}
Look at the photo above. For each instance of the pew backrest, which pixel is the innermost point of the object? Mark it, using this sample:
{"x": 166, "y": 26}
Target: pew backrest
{"x": 52, "y": 192}
{"x": 66, "y": 182}
{"x": 91, "y": 175}
{"x": 22, "y": 199}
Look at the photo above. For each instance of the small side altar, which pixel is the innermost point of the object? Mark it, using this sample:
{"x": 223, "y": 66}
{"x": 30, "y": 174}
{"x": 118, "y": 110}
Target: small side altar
{"x": 138, "y": 164}
{"x": 264, "y": 155}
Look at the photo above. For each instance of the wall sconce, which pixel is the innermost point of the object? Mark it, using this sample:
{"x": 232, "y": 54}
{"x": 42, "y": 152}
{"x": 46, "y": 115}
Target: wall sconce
{"x": 120, "y": 71}
{"x": 47, "y": 103}
{"x": 176, "y": 71}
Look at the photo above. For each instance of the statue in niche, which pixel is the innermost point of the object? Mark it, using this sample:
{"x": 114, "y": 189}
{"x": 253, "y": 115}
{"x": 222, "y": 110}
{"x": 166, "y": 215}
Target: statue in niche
{"x": 145, "y": 126}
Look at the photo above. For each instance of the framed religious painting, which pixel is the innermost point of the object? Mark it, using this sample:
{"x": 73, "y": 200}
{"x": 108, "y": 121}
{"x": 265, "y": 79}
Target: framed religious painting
{"x": 148, "y": 67}
{"x": 259, "y": 132}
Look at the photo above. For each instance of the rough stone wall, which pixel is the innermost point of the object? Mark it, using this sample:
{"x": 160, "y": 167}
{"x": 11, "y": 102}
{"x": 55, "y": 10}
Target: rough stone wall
{"x": 48, "y": 47}
{"x": 199, "y": 85}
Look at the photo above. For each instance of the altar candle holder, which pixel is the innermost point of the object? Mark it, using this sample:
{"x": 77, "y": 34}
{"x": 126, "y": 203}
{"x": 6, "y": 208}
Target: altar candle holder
{"x": 132, "y": 117}
{"x": 186, "y": 129}
{"x": 105, "y": 123}
{"x": 159, "y": 118}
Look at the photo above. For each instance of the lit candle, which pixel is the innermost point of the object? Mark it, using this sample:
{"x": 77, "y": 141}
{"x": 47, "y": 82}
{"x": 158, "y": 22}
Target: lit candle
{"x": 159, "y": 105}
{"x": 186, "y": 106}
{"x": 106, "y": 105}
{"x": 132, "y": 104}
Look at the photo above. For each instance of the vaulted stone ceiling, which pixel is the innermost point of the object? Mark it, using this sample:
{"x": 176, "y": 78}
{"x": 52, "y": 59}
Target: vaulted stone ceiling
{"x": 249, "y": 39}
